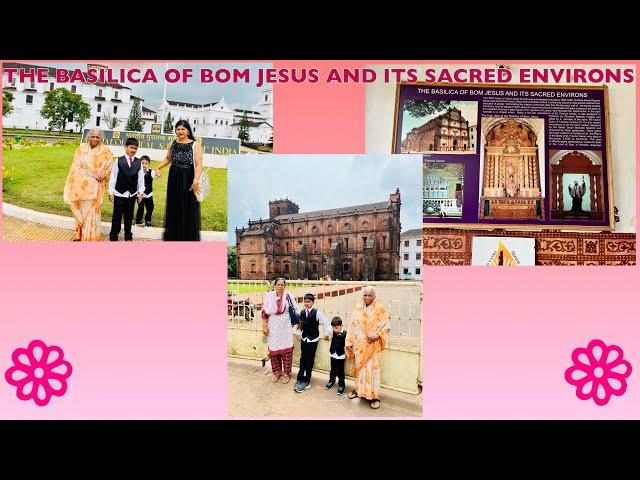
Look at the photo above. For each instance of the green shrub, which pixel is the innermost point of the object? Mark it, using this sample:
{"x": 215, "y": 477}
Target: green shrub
{"x": 60, "y": 142}
{"x": 42, "y": 142}
{"x": 8, "y": 143}
{"x": 27, "y": 142}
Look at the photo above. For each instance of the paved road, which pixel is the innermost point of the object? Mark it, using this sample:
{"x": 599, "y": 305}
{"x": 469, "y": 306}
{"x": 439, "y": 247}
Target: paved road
{"x": 251, "y": 393}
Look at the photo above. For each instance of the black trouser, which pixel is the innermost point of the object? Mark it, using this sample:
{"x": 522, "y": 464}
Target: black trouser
{"x": 148, "y": 203}
{"x": 337, "y": 370}
{"x": 122, "y": 206}
{"x": 307, "y": 357}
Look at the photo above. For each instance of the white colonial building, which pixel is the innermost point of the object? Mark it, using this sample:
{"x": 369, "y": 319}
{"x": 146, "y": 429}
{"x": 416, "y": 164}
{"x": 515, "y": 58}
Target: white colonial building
{"x": 473, "y": 137}
{"x": 411, "y": 255}
{"x": 220, "y": 119}
{"x": 111, "y": 104}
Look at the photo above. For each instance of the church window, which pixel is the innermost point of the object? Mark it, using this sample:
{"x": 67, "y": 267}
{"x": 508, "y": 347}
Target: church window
{"x": 286, "y": 267}
{"x": 406, "y": 243}
{"x": 314, "y": 229}
{"x": 364, "y": 242}
{"x": 347, "y": 227}
{"x": 406, "y": 256}
{"x": 300, "y": 231}
{"x": 418, "y": 256}
{"x": 115, "y": 110}
{"x": 216, "y": 122}
{"x": 266, "y": 97}
{"x": 346, "y": 244}
{"x": 29, "y": 99}
{"x": 253, "y": 267}
{"x": 346, "y": 267}
{"x": 314, "y": 267}
{"x": 97, "y": 121}
{"x": 365, "y": 224}
{"x": 418, "y": 243}
{"x": 51, "y": 86}
{"x": 384, "y": 242}
{"x": 73, "y": 88}
{"x": 115, "y": 94}
{"x": 330, "y": 243}
{"x": 99, "y": 107}
{"x": 299, "y": 242}
{"x": 315, "y": 246}
{"x": 287, "y": 247}
{"x": 330, "y": 228}
{"x": 406, "y": 271}
{"x": 418, "y": 270}
{"x": 99, "y": 92}
{"x": 33, "y": 85}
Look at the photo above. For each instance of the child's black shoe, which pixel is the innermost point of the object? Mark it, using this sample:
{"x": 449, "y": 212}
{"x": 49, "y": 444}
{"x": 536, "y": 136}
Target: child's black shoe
{"x": 341, "y": 391}
{"x": 148, "y": 224}
{"x": 329, "y": 385}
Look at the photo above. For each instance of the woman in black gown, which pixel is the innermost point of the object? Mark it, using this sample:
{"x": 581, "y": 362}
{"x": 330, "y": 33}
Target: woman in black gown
{"x": 182, "y": 211}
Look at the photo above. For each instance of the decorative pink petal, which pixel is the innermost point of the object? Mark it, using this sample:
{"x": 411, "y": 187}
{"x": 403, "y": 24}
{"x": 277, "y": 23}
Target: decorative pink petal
{"x": 596, "y": 347}
{"x": 55, "y": 355}
{"x": 579, "y": 356}
{"x": 621, "y": 368}
{"x": 585, "y": 391}
{"x": 24, "y": 359}
{"x": 56, "y": 386}
{"x": 597, "y": 352}
{"x": 17, "y": 375}
{"x": 615, "y": 353}
{"x": 63, "y": 370}
{"x": 37, "y": 353}
{"x": 616, "y": 386}
{"x": 26, "y": 390}
{"x": 577, "y": 376}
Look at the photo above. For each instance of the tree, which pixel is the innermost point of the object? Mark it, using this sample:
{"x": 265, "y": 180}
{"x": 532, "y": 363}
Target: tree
{"x": 7, "y": 98}
{"x": 243, "y": 133}
{"x": 134, "y": 123}
{"x": 232, "y": 271}
{"x": 421, "y": 108}
{"x": 168, "y": 124}
{"x": 110, "y": 120}
{"x": 61, "y": 106}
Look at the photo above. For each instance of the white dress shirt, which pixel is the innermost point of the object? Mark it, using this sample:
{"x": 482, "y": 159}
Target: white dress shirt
{"x": 335, "y": 355}
{"x": 322, "y": 319}
{"x": 114, "y": 178}
{"x": 153, "y": 177}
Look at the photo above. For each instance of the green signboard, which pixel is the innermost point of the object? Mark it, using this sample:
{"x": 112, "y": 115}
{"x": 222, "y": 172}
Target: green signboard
{"x": 156, "y": 141}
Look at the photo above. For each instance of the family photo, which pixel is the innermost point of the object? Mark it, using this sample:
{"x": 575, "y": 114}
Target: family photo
{"x": 131, "y": 162}
{"x": 324, "y": 298}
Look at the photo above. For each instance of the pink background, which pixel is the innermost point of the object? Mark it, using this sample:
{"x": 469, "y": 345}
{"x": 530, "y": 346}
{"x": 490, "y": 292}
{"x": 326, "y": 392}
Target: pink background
{"x": 496, "y": 343}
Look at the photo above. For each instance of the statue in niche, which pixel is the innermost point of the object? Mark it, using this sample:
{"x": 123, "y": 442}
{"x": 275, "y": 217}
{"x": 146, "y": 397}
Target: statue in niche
{"x": 577, "y": 192}
{"x": 511, "y": 188}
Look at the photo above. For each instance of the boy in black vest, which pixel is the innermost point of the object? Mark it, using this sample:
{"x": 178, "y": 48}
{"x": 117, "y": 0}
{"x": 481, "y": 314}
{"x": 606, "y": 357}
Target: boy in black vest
{"x": 147, "y": 201}
{"x": 336, "y": 352}
{"x": 309, "y": 333}
{"x": 125, "y": 185}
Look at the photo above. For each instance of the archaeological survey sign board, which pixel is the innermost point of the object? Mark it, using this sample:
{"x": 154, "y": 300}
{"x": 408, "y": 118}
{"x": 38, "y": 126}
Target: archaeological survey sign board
{"x": 215, "y": 150}
{"x": 509, "y": 156}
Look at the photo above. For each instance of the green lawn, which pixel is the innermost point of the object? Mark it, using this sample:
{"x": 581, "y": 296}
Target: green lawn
{"x": 243, "y": 288}
{"x": 21, "y": 131}
{"x": 37, "y": 176}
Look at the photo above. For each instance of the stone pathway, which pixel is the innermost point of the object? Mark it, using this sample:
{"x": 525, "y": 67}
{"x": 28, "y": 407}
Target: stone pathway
{"x": 15, "y": 230}
{"x": 251, "y": 393}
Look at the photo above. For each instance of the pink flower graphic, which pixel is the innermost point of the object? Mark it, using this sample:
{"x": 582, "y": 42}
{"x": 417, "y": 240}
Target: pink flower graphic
{"x": 598, "y": 372}
{"x": 38, "y": 372}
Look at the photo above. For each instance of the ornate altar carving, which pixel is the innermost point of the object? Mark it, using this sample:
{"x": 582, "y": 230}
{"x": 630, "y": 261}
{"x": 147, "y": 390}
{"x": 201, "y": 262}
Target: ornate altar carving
{"x": 511, "y": 176}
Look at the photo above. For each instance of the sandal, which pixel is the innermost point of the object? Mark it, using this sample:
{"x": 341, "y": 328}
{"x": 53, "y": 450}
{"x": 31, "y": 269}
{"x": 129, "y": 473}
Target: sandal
{"x": 276, "y": 378}
{"x": 376, "y": 402}
{"x": 286, "y": 378}
{"x": 353, "y": 394}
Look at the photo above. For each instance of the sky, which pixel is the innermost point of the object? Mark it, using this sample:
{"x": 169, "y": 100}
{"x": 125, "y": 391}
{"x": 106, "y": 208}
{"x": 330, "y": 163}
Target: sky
{"x": 240, "y": 95}
{"x": 318, "y": 182}
{"x": 469, "y": 111}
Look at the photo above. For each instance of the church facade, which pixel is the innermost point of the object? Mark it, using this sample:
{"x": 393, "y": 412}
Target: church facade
{"x": 448, "y": 132}
{"x": 359, "y": 242}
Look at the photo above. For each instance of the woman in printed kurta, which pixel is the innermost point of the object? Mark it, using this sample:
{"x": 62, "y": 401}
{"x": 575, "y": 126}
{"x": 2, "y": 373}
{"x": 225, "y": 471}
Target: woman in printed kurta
{"x": 85, "y": 186}
{"x": 277, "y": 326}
{"x": 367, "y": 337}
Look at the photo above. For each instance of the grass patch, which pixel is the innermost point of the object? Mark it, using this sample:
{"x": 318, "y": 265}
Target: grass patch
{"x": 22, "y": 131}
{"x": 244, "y": 288}
{"x": 37, "y": 177}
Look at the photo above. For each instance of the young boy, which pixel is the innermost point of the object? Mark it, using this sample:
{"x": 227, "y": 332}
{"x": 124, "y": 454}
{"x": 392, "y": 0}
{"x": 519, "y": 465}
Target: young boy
{"x": 336, "y": 352}
{"x": 125, "y": 185}
{"x": 309, "y": 333}
{"x": 147, "y": 202}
